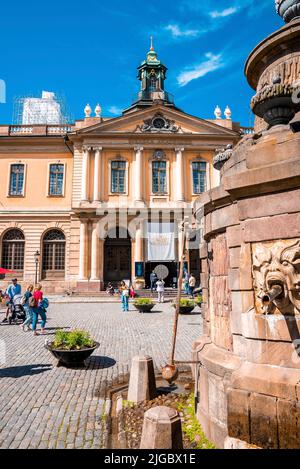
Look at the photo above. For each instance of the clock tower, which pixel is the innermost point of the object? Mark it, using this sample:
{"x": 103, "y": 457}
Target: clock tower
{"x": 152, "y": 75}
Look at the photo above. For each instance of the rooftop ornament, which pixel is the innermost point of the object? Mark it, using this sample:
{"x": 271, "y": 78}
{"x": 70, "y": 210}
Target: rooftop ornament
{"x": 288, "y": 9}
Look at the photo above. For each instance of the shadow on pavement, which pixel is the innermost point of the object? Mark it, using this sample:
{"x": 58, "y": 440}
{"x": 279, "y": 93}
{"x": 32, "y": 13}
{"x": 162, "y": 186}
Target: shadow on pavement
{"x": 99, "y": 362}
{"x": 25, "y": 370}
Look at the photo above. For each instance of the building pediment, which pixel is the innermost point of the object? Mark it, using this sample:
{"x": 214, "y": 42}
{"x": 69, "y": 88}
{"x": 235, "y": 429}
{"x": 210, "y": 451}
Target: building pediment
{"x": 157, "y": 120}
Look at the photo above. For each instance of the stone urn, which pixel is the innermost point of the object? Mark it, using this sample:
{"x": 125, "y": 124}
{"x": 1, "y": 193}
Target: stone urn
{"x": 288, "y": 9}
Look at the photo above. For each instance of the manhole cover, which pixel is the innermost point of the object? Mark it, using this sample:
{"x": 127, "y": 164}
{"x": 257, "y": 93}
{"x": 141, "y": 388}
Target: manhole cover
{"x": 161, "y": 271}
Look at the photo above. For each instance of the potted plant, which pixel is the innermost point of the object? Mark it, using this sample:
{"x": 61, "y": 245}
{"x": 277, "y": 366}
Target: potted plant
{"x": 199, "y": 300}
{"x": 72, "y": 347}
{"x": 144, "y": 305}
{"x": 186, "y": 306}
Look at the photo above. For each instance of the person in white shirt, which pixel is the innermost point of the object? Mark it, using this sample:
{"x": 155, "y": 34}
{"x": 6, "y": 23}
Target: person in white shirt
{"x": 160, "y": 288}
{"x": 192, "y": 284}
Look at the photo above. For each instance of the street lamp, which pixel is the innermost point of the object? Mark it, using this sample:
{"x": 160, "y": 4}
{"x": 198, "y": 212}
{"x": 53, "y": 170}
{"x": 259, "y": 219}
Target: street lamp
{"x": 36, "y": 259}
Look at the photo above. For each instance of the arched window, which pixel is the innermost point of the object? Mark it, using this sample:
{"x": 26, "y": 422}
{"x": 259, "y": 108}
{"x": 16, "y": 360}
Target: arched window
{"x": 54, "y": 254}
{"x": 13, "y": 247}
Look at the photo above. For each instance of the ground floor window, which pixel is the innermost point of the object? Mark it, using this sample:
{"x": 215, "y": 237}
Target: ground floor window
{"x": 13, "y": 248}
{"x": 54, "y": 254}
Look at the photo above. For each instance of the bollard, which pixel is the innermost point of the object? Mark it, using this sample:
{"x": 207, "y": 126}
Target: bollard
{"x": 161, "y": 429}
{"x": 142, "y": 385}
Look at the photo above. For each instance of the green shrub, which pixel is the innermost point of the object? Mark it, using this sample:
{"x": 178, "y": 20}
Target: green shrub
{"x": 199, "y": 300}
{"x": 72, "y": 340}
{"x": 185, "y": 303}
{"x": 143, "y": 301}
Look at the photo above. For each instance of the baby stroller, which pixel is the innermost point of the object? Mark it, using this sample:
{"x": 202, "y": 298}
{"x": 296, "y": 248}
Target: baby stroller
{"x": 16, "y": 310}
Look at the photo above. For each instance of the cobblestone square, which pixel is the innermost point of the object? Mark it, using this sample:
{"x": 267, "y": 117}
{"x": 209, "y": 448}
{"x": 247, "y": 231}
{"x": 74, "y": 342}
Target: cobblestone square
{"x": 45, "y": 406}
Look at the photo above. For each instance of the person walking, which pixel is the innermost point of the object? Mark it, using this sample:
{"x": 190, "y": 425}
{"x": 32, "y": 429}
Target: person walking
{"x": 186, "y": 282}
{"x": 192, "y": 285}
{"x": 160, "y": 288}
{"x": 13, "y": 290}
{"x": 124, "y": 290}
{"x": 38, "y": 310}
{"x": 28, "y": 309}
{"x": 153, "y": 280}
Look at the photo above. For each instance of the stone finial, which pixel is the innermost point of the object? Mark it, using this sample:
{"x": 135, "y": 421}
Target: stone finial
{"x": 218, "y": 112}
{"x": 142, "y": 384}
{"x": 161, "y": 429}
{"x": 288, "y": 9}
{"x": 87, "y": 110}
{"x": 98, "y": 110}
{"x": 228, "y": 113}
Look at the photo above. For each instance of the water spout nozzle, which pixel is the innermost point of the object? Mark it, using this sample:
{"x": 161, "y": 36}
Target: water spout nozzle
{"x": 268, "y": 297}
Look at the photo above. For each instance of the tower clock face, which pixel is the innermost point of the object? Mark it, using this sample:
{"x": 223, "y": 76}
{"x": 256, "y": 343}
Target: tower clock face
{"x": 159, "y": 123}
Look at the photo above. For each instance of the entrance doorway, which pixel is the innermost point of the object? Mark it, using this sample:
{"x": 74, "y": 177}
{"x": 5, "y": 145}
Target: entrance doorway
{"x": 117, "y": 256}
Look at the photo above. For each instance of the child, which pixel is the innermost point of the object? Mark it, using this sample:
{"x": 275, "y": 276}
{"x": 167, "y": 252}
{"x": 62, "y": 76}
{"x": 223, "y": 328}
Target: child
{"x": 132, "y": 292}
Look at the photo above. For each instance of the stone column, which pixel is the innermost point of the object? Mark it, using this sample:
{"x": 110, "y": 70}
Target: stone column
{"x": 83, "y": 249}
{"x": 97, "y": 174}
{"x": 95, "y": 254}
{"x": 179, "y": 174}
{"x": 138, "y": 173}
{"x": 85, "y": 170}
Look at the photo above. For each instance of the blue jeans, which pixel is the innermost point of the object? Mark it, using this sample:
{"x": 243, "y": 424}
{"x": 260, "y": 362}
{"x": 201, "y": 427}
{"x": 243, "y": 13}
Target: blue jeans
{"x": 36, "y": 312}
{"x": 29, "y": 316}
{"x": 125, "y": 303}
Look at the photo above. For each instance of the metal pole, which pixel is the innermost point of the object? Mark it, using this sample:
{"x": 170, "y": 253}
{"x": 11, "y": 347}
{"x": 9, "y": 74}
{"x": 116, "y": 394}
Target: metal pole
{"x": 178, "y": 296}
{"x": 36, "y": 271}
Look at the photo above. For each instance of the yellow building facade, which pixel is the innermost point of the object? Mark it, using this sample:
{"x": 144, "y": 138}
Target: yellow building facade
{"x": 102, "y": 199}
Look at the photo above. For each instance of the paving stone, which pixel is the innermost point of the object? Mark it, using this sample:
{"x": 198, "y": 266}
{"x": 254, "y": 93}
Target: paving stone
{"x": 58, "y": 407}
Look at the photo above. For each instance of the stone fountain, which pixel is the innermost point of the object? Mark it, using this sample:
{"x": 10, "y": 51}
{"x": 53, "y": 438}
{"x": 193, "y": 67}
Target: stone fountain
{"x": 248, "y": 371}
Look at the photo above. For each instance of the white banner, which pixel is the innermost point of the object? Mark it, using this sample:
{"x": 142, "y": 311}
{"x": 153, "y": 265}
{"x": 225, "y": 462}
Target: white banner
{"x": 161, "y": 247}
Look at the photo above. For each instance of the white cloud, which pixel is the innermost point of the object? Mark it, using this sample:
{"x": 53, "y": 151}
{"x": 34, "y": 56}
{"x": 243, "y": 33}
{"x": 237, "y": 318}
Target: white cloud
{"x": 115, "y": 110}
{"x": 213, "y": 62}
{"x": 223, "y": 13}
{"x": 178, "y": 32}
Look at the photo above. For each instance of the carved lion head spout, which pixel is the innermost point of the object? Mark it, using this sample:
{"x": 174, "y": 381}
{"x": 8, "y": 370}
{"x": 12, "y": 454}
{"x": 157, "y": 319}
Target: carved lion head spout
{"x": 279, "y": 264}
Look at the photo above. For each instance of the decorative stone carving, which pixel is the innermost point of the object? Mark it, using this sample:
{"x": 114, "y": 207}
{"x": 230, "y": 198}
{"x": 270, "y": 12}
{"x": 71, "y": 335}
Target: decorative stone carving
{"x": 218, "y": 112}
{"x": 274, "y": 103}
{"x": 159, "y": 123}
{"x": 87, "y": 111}
{"x": 159, "y": 155}
{"x": 288, "y": 9}
{"x": 98, "y": 110}
{"x": 278, "y": 263}
{"x": 222, "y": 156}
{"x": 228, "y": 113}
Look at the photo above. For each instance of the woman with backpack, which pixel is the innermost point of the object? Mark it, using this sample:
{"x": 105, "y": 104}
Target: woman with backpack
{"x": 39, "y": 309}
{"x": 27, "y": 308}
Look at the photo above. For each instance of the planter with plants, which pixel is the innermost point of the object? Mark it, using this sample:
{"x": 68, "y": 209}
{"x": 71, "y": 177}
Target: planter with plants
{"x": 144, "y": 305}
{"x": 72, "y": 347}
{"x": 186, "y": 306}
{"x": 199, "y": 300}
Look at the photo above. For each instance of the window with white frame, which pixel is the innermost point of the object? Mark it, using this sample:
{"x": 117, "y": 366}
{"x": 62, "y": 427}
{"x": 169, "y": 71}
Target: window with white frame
{"x": 199, "y": 169}
{"x": 118, "y": 177}
{"x": 16, "y": 182}
{"x": 159, "y": 177}
{"x": 56, "y": 179}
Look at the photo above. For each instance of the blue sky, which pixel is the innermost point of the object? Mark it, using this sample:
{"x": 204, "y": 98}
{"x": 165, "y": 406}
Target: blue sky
{"x": 88, "y": 51}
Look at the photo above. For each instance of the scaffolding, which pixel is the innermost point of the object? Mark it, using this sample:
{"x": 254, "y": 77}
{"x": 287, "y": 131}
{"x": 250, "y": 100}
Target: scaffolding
{"x": 49, "y": 109}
